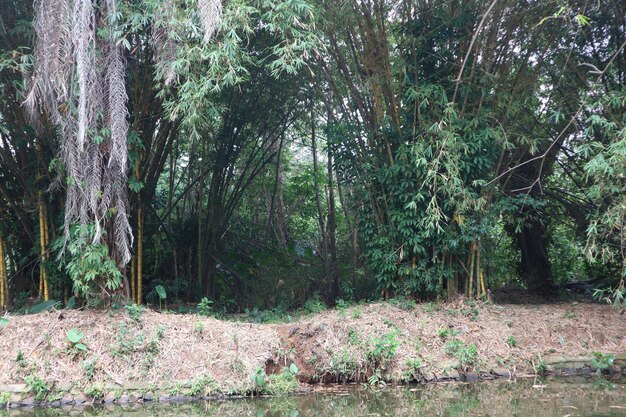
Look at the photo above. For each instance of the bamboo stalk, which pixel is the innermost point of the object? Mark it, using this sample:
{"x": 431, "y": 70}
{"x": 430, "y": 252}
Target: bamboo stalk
{"x": 2, "y": 273}
{"x": 132, "y": 277}
{"x": 46, "y": 291}
{"x": 471, "y": 274}
{"x": 479, "y": 291}
{"x": 139, "y": 253}
{"x": 42, "y": 244}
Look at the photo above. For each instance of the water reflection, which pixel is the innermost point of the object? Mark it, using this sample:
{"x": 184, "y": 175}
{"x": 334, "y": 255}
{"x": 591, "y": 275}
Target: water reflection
{"x": 572, "y": 397}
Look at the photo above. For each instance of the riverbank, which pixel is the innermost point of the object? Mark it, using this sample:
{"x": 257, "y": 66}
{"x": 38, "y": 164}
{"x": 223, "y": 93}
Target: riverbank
{"x": 126, "y": 356}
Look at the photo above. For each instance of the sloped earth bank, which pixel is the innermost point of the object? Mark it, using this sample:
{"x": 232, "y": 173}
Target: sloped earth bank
{"x": 171, "y": 357}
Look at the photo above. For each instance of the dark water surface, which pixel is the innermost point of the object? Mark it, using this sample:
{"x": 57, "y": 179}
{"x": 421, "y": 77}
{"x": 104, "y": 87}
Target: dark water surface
{"x": 565, "y": 397}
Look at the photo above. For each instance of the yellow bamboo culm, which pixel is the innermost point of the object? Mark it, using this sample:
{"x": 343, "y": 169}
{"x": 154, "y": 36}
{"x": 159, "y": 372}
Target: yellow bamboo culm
{"x": 132, "y": 278}
{"x": 482, "y": 283}
{"x": 46, "y": 291}
{"x": 3, "y": 275}
{"x": 479, "y": 291}
{"x": 42, "y": 243}
{"x": 139, "y": 252}
{"x": 471, "y": 271}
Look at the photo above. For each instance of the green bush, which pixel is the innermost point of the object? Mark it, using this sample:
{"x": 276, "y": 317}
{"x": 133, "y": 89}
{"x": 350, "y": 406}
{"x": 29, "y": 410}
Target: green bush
{"x": 466, "y": 355}
{"x": 383, "y": 348}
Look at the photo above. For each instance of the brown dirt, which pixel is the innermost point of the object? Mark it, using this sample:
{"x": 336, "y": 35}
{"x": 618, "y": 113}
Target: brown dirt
{"x": 125, "y": 352}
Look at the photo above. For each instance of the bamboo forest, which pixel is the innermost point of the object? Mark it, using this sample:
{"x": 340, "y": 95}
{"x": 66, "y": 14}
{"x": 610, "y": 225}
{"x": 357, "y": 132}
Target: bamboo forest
{"x": 347, "y": 175}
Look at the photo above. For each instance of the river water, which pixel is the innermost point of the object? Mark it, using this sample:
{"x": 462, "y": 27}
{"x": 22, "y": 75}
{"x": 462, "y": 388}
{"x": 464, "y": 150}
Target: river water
{"x": 565, "y": 397}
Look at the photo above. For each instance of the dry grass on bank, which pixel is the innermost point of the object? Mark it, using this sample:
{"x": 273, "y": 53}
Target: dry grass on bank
{"x": 165, "y": 348}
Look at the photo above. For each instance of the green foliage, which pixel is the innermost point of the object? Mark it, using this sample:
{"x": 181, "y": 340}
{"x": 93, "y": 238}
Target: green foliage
{"x": 403, "y": 303}
{"x": 95, "y": 391}
{"x": 353, "y": 337}
{"x": 134, "y": 311}
{"x": 467, "y": 355}
{"x": 314, "y": 305}
{"x": 5, "y": 398}
{"x": 511, "y": 341}
{"x": 204, "y": 385}
{"x": 383, "y": 348}
{"x": 446, "y": 332}
{"x": 602, "y": 360}
{"x": 343, "y": 366}
{"x": 75, "y": 337}
{"x": 37, "y": 386}
{"x": 614, "y": 296}
{"x": 205, "y": 307}
{"x": 412, "y": 369}
{"x": 92, "y": 270}
{"x": 282, "y": 383}
{"x": 43, "y": 306}
{"x": 258, "y": 380}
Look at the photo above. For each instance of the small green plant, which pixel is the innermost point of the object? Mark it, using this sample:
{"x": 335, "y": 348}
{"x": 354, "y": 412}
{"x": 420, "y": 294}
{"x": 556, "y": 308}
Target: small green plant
{"x": 602, "y": 360}
{"x": 198, "y": 327}
{"x": 446, "y": 332}
{"x": 357, "y": 313}
{"x": 314, "y": 305}
{"x": 258, "y": 380}
{"x": 205, "y": 307}
{"x": 285, "y": 382}
{"x": 569, "y": 314}
{"x": 466, "y": 355}
{"x": 162, "y": 294}
{"x": 37, "y": 386}
{"x": 204, "y": 385}
{"x": 471, "y": 311}
{"x": 431, "y": 307}
{"x": 75, "y": 337}
{"x": 353, "y": 337}
{"x": 89, "y": 366}
{"x": 342, "y": 305}
{"x": 403, "y": 303}
{"x": 376, "y": 380}
{"x": 511, "y": 341}
{"x": 614, "y": 296}
{"x": 90, "y": 266}
{"x": 134, "y": 311}
{"x": 412, "y": 369}
{"x": 418, "y": 344}
{"x": 312, "y": 360}
{"x": 95, "y": 391}
{"x": 21, "y": 362}
{"x": 384, "y": 348}
{"x": 5, "y": 398}
{"x": 343, "y": 366}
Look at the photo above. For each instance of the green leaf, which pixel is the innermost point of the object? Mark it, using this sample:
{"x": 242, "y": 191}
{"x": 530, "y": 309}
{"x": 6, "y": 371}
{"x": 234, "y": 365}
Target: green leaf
{"x": 293, "y": 369}
{"x": 161, "y": 292}
{"x": 74, "y": 336}
{"x": 71, "y": 303}
{"x": 45, "y": 306}
{"x": 4, "y": 321}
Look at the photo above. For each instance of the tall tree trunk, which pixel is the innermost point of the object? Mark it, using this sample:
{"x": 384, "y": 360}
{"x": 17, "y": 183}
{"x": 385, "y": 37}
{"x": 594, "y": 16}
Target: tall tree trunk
{"x": 535, "y": 265}
{"x": 331, "y": 229}
{"x": 318, "y": 202}
{"x": 3, "y": 276}
{"x": 139, "y": 253}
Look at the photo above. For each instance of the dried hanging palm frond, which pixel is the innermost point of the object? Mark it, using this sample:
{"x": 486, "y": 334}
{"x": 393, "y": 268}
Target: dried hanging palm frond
{"x": 79, "y": 80}
{"x": 210, "y": 13}
{"x": 164, "y": 46}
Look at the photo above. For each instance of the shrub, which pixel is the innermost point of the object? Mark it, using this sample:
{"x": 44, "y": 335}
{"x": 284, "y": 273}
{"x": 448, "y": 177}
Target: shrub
{"x": 511, "y": 341}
